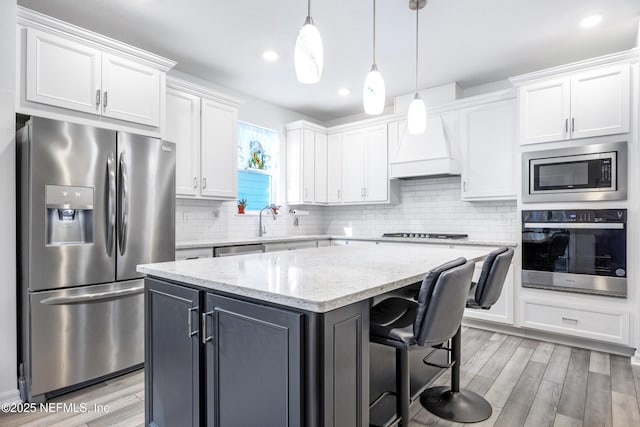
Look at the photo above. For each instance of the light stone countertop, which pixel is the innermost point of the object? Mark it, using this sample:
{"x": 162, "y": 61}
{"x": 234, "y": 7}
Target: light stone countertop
{"x": 256, "y": 240}
{"x": 317, "y": 279}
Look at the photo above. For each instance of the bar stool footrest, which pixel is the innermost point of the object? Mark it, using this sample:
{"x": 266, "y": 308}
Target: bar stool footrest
{"x": 463, "y": 406}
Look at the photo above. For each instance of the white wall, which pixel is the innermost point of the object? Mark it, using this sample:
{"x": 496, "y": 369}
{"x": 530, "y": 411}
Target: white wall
{"x": 8, "y": 389}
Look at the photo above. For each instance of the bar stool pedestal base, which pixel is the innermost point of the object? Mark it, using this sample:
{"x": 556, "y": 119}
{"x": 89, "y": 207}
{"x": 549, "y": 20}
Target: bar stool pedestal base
{"x": 461, "y": 406}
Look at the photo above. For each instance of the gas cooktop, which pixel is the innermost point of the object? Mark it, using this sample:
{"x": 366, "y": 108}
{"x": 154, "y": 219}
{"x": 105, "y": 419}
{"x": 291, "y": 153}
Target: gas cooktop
{"x": 427, "y": 235}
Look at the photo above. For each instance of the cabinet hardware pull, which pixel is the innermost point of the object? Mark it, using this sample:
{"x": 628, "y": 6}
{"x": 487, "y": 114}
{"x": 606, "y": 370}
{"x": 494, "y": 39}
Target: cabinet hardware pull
{"x": 338, "y": 194}
{"x": 573, "y": 124}
{"x": 192, "y": 332}
{"x": 365, "y": 191}
{"x": 98, "y": 98}
{"x": 195, "y": 182}
{"x": 205, "y": 338}
{"x": 569, "y": 319}
{"x": 464, "y": 186}
{"x": 204, "y": 182}
{"x": 104, "y": 100}
{"x": 566, "y": 125}
{"x": 192, "y": 257}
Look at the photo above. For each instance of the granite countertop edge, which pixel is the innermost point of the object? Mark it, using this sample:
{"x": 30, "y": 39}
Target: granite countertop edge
{"x": 197, "y": 244}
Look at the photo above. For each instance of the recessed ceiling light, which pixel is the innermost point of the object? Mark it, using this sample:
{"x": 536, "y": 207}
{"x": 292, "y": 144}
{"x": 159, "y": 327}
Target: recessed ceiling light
{"x": 270, "y": 55}
{"x": 344, "y": 92}
{"x": 591, "y": 21}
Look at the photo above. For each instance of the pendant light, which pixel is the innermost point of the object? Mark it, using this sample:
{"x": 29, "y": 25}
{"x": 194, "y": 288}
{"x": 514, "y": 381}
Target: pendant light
{"x": 417, "y": 116}
{"x": 308, "y": 55}
{"x": 373, "y": 93}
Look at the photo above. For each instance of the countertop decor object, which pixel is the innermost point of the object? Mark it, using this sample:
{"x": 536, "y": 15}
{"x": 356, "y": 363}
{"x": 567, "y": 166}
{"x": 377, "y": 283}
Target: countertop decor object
{"x": 242, "y": 204}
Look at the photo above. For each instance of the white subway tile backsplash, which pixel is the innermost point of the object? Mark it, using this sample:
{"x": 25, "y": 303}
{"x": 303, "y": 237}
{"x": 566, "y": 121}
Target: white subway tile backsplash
{"x": 426, "y": 205}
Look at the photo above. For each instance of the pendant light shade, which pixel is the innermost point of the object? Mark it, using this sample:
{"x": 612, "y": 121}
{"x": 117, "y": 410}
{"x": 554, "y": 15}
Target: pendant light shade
{"x": 309, "y": 54}
{"x": 373, "y": 92}
{"x": 417, "y": 115}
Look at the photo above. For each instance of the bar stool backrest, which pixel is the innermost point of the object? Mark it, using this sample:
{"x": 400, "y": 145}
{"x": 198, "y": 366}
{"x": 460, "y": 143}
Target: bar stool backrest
{"x": 441, "y": 302}
{"x": 492, "y": 277}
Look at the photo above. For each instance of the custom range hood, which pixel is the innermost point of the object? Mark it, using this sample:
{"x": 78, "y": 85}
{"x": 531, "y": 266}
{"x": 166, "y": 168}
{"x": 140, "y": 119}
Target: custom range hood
{"x": 433, "y": 153}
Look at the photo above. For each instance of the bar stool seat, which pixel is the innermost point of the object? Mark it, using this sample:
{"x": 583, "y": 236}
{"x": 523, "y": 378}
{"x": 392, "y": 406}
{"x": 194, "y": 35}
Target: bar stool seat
{"x": 452, "y": 403}
{"x": 432, "y": 320}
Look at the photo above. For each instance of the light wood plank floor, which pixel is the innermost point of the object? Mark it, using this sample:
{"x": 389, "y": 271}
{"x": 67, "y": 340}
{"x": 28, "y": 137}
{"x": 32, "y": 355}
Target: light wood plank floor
{"x": 528, "y": 383}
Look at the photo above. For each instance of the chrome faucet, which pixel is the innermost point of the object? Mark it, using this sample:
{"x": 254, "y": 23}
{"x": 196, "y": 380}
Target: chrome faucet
{"x": 274, "y": 211}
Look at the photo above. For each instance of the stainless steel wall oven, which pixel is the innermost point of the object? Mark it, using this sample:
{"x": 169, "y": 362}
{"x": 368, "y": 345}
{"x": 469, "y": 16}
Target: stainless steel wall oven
{"x": 581, "y": 251}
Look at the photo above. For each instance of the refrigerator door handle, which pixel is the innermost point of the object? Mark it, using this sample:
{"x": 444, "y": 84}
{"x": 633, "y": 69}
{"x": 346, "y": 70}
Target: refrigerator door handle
{"x": 111, "y": 204}
{"x": 92, "y": 296}
{"x": 124, "y": 204}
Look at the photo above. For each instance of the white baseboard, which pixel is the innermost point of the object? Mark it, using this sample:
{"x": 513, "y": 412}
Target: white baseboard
{"x": 11, "y": 396}
{"x": 557, "y": 338}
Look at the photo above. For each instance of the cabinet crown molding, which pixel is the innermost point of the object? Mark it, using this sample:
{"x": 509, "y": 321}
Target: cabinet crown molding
{"x": 32, "y": 19}
{"x": 202, "y": 91}
{"x": 300, "y": 124}
{"x": 626, "y": 56}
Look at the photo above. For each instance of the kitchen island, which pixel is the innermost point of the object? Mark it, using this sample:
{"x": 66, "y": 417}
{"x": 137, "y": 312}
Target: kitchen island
{"x": 276, "y": 338}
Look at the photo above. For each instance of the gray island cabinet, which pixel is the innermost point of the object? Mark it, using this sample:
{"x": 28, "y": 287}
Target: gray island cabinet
{"x": 274, "y": 339}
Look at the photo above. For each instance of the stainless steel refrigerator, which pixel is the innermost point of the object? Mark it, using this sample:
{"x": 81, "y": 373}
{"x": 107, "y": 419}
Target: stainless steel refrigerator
{"x": 93, "y": 203}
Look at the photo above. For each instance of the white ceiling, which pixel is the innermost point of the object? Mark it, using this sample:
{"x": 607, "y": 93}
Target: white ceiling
{"x": 472, "y": 42}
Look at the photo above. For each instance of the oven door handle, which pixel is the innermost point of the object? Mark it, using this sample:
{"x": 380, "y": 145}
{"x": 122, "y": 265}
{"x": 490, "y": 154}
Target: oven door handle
{"x": 92, "y": 296}
{"x": 576, "y": 225}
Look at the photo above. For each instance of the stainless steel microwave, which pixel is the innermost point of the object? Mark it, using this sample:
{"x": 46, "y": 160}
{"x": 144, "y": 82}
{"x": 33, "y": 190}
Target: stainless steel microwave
{"x": 588, "y": 173}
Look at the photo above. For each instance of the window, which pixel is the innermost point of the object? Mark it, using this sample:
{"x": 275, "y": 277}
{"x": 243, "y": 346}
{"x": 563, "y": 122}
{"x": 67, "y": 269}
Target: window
{"x": 257, "y": 165}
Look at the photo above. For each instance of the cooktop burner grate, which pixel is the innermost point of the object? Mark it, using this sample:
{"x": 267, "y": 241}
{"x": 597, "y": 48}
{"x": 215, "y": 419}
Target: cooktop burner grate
{"x": 427, "y": 235}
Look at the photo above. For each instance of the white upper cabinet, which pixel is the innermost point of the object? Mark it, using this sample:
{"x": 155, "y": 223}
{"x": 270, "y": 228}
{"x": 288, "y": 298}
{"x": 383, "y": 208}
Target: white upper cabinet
{"x": 376, "y": 156}
{"x": 203, "y": 125}
{"x": 63, "y": 73}
{"x": 69, "y": 73}
{"x": 600, "y": 102}
{"x": 353, "y": 166}
{"x": 219, "y": 148}
{"x": 334, "y": 168}
{"x": 130, "y": 91}
{"x": 182, "y": 127}
{"x": 320, "y": 169}
{"x": 365, "y": 165}
{"x": 488, "y": 139}
{"x": 585, "y": 104}
{"x": 545, "y": 110}
{"x": 306, "y": 163}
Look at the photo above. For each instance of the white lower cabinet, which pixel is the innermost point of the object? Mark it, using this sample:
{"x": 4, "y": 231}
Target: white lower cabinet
{"x": 583, "y": 321}
{"x": 290, "y": 246}
{"x": 193, "y": 253}
{"x": 203, "y": 125}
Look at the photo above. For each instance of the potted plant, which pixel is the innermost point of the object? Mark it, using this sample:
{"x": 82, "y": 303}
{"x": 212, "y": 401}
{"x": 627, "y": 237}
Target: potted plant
{"x": 242, "y": 203}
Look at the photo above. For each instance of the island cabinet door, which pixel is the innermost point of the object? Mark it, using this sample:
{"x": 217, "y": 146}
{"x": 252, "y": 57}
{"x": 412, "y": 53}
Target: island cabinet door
{"x": 253, "y": 363}
{"x": 172, "y": 355}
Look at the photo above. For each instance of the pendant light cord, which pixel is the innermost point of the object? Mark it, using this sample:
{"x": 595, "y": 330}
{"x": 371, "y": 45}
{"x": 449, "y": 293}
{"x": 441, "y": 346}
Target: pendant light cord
{"x": 308, "y": 7}
{"x": 374, "y": 32}
{"x": 417, "y": 10}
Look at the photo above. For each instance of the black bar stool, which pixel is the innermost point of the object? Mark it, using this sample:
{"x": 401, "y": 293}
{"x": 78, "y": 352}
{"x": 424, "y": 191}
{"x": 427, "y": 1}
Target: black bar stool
{"x": 405, "y": 324}
{"x": 451, "y": 403}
